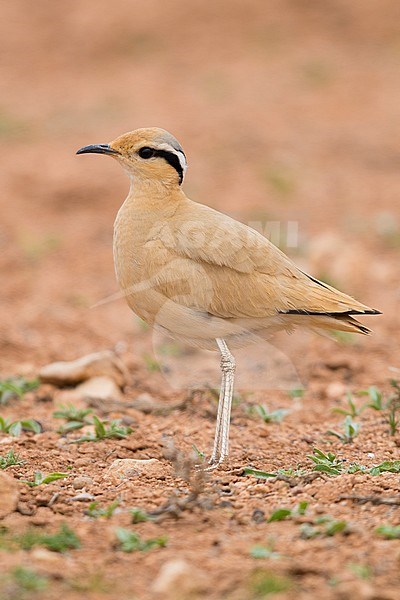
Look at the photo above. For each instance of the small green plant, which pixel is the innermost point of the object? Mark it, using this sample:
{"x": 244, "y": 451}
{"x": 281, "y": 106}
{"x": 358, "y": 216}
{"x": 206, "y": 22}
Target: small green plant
{"x": 27, "y": 580}
{"x": 69, "y": 412}
{"x": 259, "y": 474}
{"x": 95, "y": 511}
{"x": 201, "y": 455}
{"x": 296, "y": 392}
{"x": 351, "y": 429}
{"x": 274, "y": 416}
{"x": 139, "y": 516}
{"x": 280, "y": 179}
{"x": 151, "y": 363}
{"x": 376, "y": 401}
{"x": 265, "y": 475}
{"x": 130, "y": 541}
{"x": 76, "y": 417}
{"x": 387, "y": 466}
{"x": 10, "y": 459}
{"x": 352, "y": 410}
{"x": 325, "y": 463}
{"x": 323, "y": 526}
{"x": 328, "y": 463}
{"x": 279, "y": 515}
{"x": 43, "y": 479}
{"x": 394, "y": 407}
{"x": 264, "y": 583}
{"x": 283, "y": 513}
{"x": 102, "y": 431}
{"x": 35, "y": 248}
{"x": 61, "y": 541}
{"x": 390, "y": 405}
{"x": 390, "y": 532}
{"x": 361, "y": 571}
{"x": 16, "y": 427}
{"x": 16, "y": 387}
{"x": 258, "y": 551}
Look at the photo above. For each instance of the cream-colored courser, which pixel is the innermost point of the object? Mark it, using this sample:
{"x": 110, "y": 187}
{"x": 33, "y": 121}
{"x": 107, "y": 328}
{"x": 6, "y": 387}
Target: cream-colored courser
{"x": 203, "y": 277}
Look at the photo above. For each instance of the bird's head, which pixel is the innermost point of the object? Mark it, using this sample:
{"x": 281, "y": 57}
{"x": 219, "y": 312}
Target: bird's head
{"x": 150, "y": 153}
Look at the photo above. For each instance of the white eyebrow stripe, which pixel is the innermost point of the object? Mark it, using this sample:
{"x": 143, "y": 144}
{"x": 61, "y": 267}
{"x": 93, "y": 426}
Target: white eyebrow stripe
{"x": 178, "y": 153}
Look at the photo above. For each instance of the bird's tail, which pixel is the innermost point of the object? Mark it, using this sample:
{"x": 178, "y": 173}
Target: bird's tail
{"x": 340, "y": 322}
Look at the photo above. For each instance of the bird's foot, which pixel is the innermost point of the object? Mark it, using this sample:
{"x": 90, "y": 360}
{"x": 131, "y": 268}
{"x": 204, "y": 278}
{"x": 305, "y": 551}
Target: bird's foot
{"x": 215, "y": 462}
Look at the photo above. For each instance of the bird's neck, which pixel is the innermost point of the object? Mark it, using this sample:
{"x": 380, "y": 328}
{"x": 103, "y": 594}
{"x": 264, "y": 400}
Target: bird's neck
{"x": 153, "y": 194}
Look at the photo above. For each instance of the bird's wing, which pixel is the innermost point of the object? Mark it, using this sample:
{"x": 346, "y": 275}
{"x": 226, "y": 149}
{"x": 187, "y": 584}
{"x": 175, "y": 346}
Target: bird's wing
{"x": 222, "y": 266}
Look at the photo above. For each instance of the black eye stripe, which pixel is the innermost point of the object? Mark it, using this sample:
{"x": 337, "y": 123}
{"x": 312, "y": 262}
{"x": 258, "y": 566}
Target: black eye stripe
{"x": 171, "y": 158}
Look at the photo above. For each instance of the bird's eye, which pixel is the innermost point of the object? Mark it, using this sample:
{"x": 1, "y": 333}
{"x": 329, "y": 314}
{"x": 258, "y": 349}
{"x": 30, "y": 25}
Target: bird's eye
{"x": 146, "y": 152}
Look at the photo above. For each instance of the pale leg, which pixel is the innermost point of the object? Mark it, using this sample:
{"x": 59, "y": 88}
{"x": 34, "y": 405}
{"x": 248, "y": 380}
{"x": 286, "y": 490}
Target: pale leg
{"x": 221, "y": 440}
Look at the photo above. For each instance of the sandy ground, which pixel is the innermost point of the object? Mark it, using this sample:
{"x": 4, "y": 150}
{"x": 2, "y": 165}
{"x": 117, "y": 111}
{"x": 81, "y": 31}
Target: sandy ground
{"x": 289, "y": 114}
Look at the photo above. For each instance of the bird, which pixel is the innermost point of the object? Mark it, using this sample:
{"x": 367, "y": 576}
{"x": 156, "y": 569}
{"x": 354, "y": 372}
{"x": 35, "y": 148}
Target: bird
{"x": 202, "y": 277}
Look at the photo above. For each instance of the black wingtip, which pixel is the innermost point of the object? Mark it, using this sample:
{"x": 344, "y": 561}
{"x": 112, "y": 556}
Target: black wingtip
{"x": 293, "y": 311}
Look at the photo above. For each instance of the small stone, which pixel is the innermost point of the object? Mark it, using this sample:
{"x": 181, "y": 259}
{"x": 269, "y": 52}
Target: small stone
{"x": 127, "y": 468}
{"x": 25, "y": 509}
{"x": 82, "y": 462}
{"x": 102, "y": 388}
{"x": 145, "y": 403}
{"x": 83, "y": 497}
{"x": 42, "y": 516}
{"x": 104, "y": 363}
{"x": 9, "y": 495}
{"x": 258, "y": 516}
{"x": 178, "y": 580}
{"x": 99, "y": 388}
{"x": 335, "y": 390}
{"x": 81, "y": 482}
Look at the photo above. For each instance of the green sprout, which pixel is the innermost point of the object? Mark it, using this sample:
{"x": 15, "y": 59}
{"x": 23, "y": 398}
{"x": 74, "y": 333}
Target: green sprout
{"x": 139, "y": 516}
{"x": 325, "y": 463}
{"x": 352, "y": 410}
{"x": 130, "y": 541}
{"x": 296, "y": 392}
{"x": 10, "y": 459}
{"x": 350, "y": 430}
{"x": 201, "y": 455}
{"x": 28, "y": 581}
{"x": 61, "y": 541}
{"x": 265, "y": 583}
{"x": 16, "y": 387}
{"x": 274, "y": 416}
{"x": 43, "y": 479}
{"x": 16, "y": 427}
{"x": 151, "y": 363}
{"x": 387, "y": 466}
{"x": 258, "y": 551}
{"x": 102, "y": 431}
{"x": 390, "y": 532}
{"x": 95, "y": 511}
{"x": 283, "y": 513}
{"x": 323, "y": 526}
{"x": 390, "y": 405}
{"x": 76, "y": 417}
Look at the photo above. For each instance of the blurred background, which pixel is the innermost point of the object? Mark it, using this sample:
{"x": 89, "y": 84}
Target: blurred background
{"x": 288, "y": 111}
